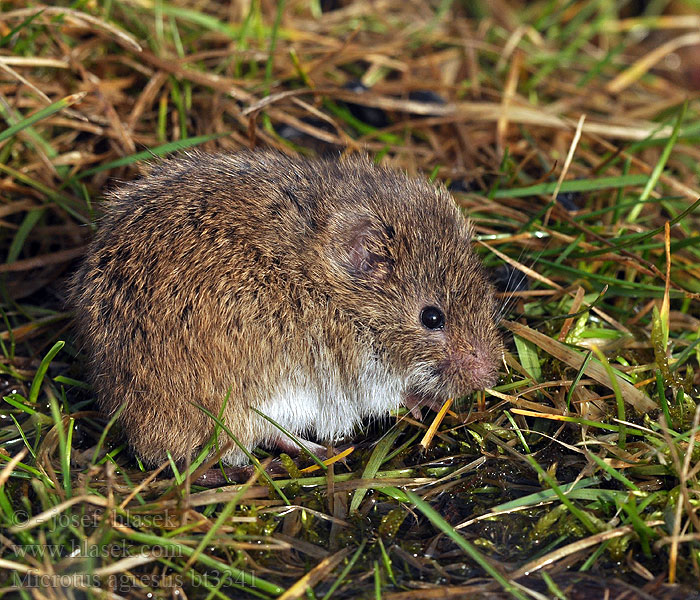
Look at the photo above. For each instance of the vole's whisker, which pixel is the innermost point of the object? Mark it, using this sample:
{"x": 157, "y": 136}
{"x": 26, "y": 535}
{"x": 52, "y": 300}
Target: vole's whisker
{"x": 517, "y": 271}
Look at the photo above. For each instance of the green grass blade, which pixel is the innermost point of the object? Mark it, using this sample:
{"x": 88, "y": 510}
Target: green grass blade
{"x": 221, "y": 567}
{"x": 299, "y": 442}
{"x": 375, "y": 461}
{"x": 28, "y": 223}
{"x": 41, "y": 371}
{"x": 587, "y": 185}
{"x": 622, "y": 437}
{"x": 436, "y": 519}
{"x": 245, "y": 451}
{"x": 152, "y": 153}
{"x": 573, "y": 509}
{"x": 660, "y": 164}
{"x": 41, "y": 114}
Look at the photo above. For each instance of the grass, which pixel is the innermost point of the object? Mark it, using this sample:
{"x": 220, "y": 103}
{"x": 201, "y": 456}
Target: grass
{"x": 576, "y": 477}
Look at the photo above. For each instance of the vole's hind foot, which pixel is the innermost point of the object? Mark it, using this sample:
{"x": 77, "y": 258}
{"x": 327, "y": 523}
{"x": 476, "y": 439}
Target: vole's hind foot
{"x": 214, "y": 477}
{"x": 232, "y": 475}
{"x": 290, "y": 447}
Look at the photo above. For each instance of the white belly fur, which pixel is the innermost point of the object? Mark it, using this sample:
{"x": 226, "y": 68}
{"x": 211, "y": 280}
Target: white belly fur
{"x": 332, "y": 411}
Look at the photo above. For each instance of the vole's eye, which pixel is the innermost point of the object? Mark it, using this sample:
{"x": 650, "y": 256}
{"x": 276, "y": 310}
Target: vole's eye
{"x": 432, "y": 317}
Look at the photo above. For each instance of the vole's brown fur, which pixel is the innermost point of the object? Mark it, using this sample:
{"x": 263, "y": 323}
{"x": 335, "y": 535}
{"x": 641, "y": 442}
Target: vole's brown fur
{"x": 292, "y": 286}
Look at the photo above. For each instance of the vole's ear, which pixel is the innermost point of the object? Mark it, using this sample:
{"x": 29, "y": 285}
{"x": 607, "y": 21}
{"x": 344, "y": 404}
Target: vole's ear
{"x": 367, "y": 250}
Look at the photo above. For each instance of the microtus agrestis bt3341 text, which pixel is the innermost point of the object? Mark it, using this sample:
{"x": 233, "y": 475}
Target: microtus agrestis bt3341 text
{"x": 318, "y": 292}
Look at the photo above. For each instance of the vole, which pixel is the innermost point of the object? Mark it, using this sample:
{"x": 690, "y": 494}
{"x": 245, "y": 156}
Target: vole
{"x": 319, "y": 292}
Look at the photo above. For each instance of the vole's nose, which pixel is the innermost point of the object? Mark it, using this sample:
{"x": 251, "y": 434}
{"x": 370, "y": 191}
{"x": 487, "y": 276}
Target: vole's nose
{"x": 473, "y": 368}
